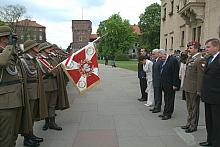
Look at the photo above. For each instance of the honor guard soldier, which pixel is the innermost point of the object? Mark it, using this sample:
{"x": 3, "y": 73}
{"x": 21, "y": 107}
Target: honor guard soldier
{"x": 50, "y": 82}
{"x": 62, "y": 79}
{"x": 35, "y": 89}
{"x": 11, "y": 100}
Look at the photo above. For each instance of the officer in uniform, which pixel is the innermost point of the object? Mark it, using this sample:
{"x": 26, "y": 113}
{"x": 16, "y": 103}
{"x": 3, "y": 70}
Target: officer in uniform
{"x": 35, "y": 89}
{"x": 11, "y": 98}
{"x": 50, "y": 82}
{"x": 195, "y": 65}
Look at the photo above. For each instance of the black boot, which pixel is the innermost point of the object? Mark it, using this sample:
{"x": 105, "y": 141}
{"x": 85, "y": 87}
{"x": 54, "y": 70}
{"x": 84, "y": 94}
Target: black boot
{"x": 29, "y": 142}
{"x": 35, "y": 138}
{"x": 46, "y": 125}
{"x": 53, "y": 125}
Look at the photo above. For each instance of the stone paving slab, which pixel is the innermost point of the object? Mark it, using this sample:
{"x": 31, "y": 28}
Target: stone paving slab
{"x": 109, "y": 115}
{"x": 96, "y": 138}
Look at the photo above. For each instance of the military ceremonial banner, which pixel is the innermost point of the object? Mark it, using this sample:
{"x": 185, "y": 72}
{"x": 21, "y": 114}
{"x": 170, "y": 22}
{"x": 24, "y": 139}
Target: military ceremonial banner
{"x": 82, "y": 68}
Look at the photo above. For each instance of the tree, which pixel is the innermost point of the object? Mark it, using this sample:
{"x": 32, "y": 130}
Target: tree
{"x": 150, "y": 27}
{"x": 118, "y": 36}
{"x": 11, "y": 14}
{"x": 1, "y": 22}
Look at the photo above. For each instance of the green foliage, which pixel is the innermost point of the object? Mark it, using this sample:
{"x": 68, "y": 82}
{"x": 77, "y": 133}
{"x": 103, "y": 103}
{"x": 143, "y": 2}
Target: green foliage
{"x": 118, "y": 36}
{"x": 150, "y": 27}
{"x": 1, "y": 22}
{"x": 121, "y": 57}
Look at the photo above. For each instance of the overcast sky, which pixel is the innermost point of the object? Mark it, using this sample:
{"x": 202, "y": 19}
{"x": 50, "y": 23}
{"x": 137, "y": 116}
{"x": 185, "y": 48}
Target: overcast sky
{"x": 56, "y": 15}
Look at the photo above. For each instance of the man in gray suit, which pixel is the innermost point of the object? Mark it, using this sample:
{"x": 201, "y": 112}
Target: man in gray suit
{"x": 156, "y": 81}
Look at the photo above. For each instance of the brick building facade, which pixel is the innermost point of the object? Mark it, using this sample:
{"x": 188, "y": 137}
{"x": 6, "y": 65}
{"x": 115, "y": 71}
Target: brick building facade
{"x": 81, "y": 31}
{"x": 27, "y": 29}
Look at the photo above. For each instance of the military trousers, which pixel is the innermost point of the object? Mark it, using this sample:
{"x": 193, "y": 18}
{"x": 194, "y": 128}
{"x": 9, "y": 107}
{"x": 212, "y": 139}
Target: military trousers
{"x": 9, "y": 126}
{"x": 192, "y": 103}
{"x": 34, "y": 111}
{"x": 51, "y": 102}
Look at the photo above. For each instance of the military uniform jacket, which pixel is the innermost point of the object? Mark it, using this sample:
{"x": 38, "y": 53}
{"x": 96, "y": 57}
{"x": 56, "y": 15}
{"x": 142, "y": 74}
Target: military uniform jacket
{"x": 35, "y": 88}
{"x": 11, "y": 95}
{"x": 50, "y": 81}
{"x": 62, "y": 101}
{"x": 195, "y": 66}
{"x": 31, "y": 76}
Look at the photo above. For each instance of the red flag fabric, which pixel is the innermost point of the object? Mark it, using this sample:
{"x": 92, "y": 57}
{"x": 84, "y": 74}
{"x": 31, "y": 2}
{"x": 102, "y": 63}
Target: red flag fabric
{"x": 82, "y": 68}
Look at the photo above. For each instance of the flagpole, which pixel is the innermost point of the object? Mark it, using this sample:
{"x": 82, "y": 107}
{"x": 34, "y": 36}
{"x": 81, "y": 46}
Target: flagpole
{"x": 56, "y": 66}
{"x": 99, "y": 38}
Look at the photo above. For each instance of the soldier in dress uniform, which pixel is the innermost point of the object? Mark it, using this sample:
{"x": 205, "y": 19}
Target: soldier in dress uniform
{"x": 60, "y": 54}
{"x": 35, "y": 89}
{"x": 11, "y": 98}
{"x": 50, "y": 82}
{"x": 192, "y": 84}
{"x": 62, "y": 79}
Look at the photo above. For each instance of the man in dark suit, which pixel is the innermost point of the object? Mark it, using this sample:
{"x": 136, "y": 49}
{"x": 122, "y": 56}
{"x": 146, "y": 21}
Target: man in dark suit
{"x": 156, "y": 81}
{"x": 211, "y": 92}
{"x": 170, "y": 82}
{"x": 142, "y": 75}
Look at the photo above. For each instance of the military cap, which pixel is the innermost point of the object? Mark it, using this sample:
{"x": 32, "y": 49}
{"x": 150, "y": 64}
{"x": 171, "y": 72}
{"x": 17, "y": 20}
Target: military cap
{"x": 55, "y": 46}
{"x": 29, "y": 44}
{"x": 196, "y": 44}
{"x": 5, "y": 31}
{"x": 44, "y": 45}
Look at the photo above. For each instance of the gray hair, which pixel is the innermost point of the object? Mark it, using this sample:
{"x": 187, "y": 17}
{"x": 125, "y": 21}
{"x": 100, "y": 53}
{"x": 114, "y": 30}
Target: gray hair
{"x": 155, "y": 50}
{"x": 162, "y": 52}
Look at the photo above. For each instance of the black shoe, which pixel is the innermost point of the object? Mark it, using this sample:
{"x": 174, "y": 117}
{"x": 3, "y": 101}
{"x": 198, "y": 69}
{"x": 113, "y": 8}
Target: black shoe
{"x": 35, "y": 138}
{"x": 205, "y": 144}
{"x": 152, "y": 109}
{"x": 166, "y": 117}
{"x": 155, "y": 111}
{"x": 46, "y": 125}
{"x": 141, "y": 100}
{"x": 53, "y": 125}
{"x": 185, "y": 127}
{"x": 190, "y": 130}
{"x": 29, "y": 142}
{"x": 161, "y": 115}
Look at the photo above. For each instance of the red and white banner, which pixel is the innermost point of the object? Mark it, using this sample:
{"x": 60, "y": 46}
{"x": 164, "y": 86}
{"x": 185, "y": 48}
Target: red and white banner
{"x": 82, "y": 68}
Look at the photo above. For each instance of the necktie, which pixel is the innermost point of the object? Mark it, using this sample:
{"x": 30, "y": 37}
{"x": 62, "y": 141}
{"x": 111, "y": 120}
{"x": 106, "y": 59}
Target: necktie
{"x": 210, "y": 59}
{"x": 162, "y": 65}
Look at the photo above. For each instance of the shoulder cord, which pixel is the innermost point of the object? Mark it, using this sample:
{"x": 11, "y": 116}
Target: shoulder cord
{"x": 32, "y": 73}
{"x": 13, "y": 73}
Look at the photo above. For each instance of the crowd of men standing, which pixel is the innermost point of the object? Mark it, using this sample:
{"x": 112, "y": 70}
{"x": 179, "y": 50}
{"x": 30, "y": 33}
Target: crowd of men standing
{"x": 29, "y": 90}
{"x": 196, "y": 72}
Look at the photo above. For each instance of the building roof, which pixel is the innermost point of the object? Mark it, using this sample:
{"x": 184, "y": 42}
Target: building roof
{"x": 136, "y": 29}
{"x": 93, "y": 36}
{"x": 30, "y": 23}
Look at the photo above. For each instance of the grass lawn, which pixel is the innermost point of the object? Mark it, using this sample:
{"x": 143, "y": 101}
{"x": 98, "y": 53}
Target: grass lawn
{"x": 131, "y": 65}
